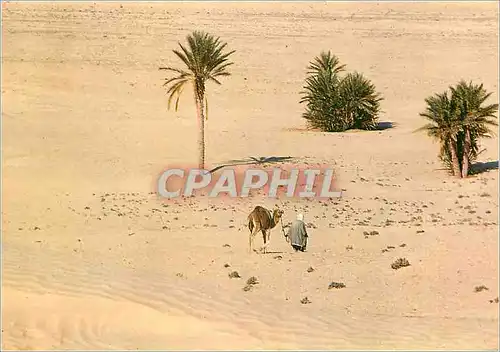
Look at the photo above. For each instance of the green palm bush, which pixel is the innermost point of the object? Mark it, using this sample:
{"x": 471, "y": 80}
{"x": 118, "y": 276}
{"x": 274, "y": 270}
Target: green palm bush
{"x": 458, "y": 118}
{"x": 335, "y": 103}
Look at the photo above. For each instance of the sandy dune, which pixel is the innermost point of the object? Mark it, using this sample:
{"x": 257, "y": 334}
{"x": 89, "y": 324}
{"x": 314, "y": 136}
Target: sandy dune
{"x": 92, "y": 259}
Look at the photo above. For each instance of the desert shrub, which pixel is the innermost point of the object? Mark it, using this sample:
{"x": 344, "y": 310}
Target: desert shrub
{"x": 400, "y": 263}
{"x": 335, "y": 103}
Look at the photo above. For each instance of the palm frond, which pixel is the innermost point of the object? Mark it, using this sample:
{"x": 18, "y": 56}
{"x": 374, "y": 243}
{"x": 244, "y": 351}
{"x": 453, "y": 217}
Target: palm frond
{"x": 167, "y": 68}
{"x": 325, "y": 62}
{"x": 174, "y": 91}
{"x": 184, "y": 76}
{"x": 205, "y": 58}
{"x": 185, "y": 56}
{"x": 213, "y": 79}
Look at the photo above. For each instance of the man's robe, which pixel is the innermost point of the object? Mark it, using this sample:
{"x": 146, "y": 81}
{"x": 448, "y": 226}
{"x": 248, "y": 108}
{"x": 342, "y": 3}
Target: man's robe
{"x": 298, "y": 233}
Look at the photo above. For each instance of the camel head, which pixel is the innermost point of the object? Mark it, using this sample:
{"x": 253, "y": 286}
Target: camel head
{"x": 277, "y": 214}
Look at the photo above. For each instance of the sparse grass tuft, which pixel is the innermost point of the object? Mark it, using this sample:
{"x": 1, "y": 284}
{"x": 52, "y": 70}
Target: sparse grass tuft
{"x": 234, "y": 275}
{"x": 305, "y": 300}
{"x": 400, "y": 263}
{"x": 481, "y": 288}
{"x": 336, "y": 285}
{"x": 371, "y": 233}
{"x": 252, "y": 281}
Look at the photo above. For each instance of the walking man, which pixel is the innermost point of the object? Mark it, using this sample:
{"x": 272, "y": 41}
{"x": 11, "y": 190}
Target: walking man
{"x": 297, "y": 234}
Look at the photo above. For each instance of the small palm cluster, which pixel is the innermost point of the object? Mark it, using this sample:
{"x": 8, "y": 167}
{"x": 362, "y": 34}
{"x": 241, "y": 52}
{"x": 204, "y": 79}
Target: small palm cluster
{"x": 336, "y": 104}
{"x": 458, "y": 119}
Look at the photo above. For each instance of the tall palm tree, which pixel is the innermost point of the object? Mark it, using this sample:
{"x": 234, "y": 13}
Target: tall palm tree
{"x": 205, "y": 60}
{"x": 475, "y": 118}
{"x": 443, "y": 125}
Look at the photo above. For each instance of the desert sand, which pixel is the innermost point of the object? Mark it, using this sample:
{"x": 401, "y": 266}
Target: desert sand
{"x": 93, "y": 259}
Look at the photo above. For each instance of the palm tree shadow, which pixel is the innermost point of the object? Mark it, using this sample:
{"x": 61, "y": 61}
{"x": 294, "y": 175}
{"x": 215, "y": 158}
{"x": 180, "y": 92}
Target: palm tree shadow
{"x": 381, "y": 126}
{"x": 252, "y": 160}
{"x": 479, "y": 167}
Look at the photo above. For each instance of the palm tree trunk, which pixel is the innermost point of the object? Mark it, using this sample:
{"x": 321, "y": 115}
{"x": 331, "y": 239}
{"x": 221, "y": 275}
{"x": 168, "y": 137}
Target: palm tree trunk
{"x": 454, "y": 158}
{"x": 465, "y": 156}
{"x": 201, "y": 131}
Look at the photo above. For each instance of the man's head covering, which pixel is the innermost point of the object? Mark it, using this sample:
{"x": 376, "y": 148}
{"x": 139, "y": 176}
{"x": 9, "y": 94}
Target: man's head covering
{"x": 300, "y": 217}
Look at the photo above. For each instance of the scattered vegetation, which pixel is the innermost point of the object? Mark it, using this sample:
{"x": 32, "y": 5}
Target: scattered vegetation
{"x": 370, "y": 233}
{"x": 336, "y": 104}
{"x": 336, "y": 285}
{"x": 252, "y": 281}
{"x": 400, "y": 263}
{"x": 205, "y": 60}
{"x": 305, "y": 300}
{"x": 388, "y": 248}
{"x": 458, "y": 119}
{"x": 481, "y": 288}
{"x": 234, "y": 275}
{"x": 247, "y": 288}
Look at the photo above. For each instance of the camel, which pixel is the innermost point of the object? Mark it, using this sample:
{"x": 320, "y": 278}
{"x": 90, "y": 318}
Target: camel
{"x": 262, "y": 219}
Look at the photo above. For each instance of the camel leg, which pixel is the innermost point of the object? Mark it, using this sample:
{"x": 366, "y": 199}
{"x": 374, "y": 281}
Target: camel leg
{"x": 252, "y": 230}
{"x": 250, "y": 243}
{"x": 250, "y": 240}
{"x": 265, "y": 240}
{"x": 268, "y": 237}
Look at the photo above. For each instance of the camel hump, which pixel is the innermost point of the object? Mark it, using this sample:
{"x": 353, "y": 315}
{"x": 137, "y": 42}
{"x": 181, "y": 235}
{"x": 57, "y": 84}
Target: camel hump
{"x": 261, "y": 215}
{"x": 258, "y": 210}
